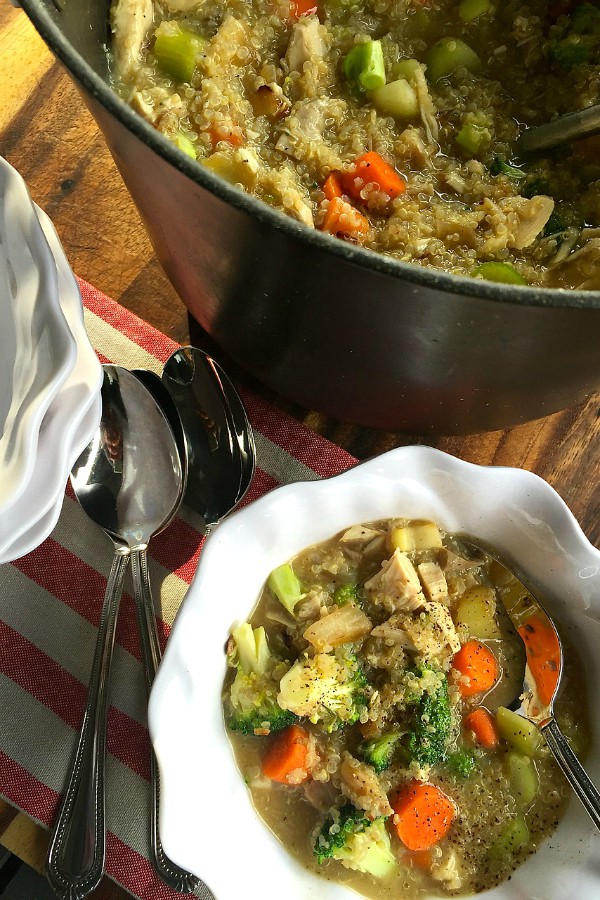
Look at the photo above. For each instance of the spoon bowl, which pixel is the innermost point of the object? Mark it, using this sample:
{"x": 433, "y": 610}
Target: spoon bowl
{"x": 542, "y": 677}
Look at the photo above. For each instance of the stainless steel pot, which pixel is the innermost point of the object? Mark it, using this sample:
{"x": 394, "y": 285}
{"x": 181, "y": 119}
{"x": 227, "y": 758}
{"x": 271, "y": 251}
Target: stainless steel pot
{"x": 334, "y": 327}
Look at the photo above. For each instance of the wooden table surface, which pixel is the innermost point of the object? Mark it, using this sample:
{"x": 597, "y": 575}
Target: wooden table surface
{"x": 48, "y": 135}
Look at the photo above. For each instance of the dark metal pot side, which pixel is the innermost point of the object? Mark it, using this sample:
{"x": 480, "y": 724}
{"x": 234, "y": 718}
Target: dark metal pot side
{"x": 334, "y": 327}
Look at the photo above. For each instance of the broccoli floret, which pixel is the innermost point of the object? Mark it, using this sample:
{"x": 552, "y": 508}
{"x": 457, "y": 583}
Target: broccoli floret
{"x": 461, "y": 763}
{"x": 348, "y": 593}
{"x": 585, "y": 19}
{"x": 432, "y": 726}
{"x": 325, "y": 688}
{"x": 357, "y": 842}
{"x": 379, "y": 751}
{"x": 570, "y": 52}
{"x": 253, "y": 693}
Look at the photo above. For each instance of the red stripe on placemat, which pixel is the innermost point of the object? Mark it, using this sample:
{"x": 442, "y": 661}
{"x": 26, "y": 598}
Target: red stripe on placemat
{"x": 125, "y": 865}
{"x": 24, "y": 790}
{"x": 86, "y": 602}
{"x": 61, "y": 692}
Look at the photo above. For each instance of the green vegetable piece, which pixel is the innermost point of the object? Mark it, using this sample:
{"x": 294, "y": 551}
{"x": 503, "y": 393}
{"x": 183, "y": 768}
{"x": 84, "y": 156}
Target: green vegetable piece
{"x": 432, "y": 726}
{"x": 448, "y": 55}
{"x": 177, "y": 54}
{"x": 500, "y": 167}
{"x": 379, "y": 751}
{"x": 522, "y": 735}
{"x": 570, "y": 52}
{"x": 554, "y": 225}
{"x": 406, "y": 68}
{"x": 513, "y": 838}
{"x": 363, "y": 844}
{"x": 468, "y": 10}
{"x": 364, "y": 67}
{"x": 470, "y": 139}
{"x": 184, "y": 144}
{"x": 286, "y": 587}
{"x": 462, "y": 763}
{"x": 252, "y": 648}
{"x": 347, "y": 593}
{"x": 397, "y": 99}
{"x": 523, "y": 777}
{"x": 498, "y": 271}
{"x": 585, "y": 19}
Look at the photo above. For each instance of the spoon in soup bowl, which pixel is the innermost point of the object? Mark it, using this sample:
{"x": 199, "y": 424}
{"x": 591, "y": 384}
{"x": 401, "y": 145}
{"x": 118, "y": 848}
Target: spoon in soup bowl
{"x": 543, "y": 673}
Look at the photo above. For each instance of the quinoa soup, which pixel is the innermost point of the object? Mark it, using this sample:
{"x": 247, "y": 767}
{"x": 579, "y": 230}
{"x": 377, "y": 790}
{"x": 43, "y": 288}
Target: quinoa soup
{"x": 367, "y": 705}
{"x": 389, "y": 123}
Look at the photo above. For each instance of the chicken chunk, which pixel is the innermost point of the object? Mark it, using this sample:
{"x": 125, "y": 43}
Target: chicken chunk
{"x": 433, "y": 580}
{"x": 359, "y": 535}
{"x": 580, "y": 270}
{"x": 130, "y": 22}
{"x": 396, "y": 586}
{"x": 362, "y": 786}
{"x": 305, "y": 43}
{"x": 527, "y": 218}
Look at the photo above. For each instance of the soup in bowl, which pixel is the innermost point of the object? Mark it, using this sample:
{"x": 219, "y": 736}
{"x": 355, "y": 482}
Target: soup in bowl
{"x": 532, "y": 529}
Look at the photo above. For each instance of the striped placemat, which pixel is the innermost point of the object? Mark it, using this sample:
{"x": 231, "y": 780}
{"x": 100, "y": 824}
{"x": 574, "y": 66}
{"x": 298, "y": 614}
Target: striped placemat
{"x": 50, "y": 604}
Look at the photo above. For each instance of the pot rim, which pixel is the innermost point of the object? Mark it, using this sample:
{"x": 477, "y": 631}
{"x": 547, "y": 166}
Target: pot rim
{"x": 435, "y": 279}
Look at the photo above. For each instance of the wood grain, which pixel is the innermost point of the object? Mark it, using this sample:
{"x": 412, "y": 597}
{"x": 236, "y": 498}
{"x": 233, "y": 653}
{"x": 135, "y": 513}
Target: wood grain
{"x": 48, "y": 135}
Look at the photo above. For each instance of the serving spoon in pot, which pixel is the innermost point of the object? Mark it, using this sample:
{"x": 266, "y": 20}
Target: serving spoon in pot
{"x": 543, "y": 673}
{"x": 562, "y": 130}
{"x": 116, "y": 484}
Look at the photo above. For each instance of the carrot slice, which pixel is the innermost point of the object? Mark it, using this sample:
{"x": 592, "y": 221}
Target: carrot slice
{"x": 371, "y": 168}
{"x": 301, "y": 8}
{"x": 332, "y": 187}
{"x": 423, "y": 815}
{"x": 231, "y": 136}
{"x": 479, "y": 664}
{"x": 286, "y": 755}
{"x": 341, "y": 218}
{"x": 543, "y": 655}
{"x": 482, "y": 724}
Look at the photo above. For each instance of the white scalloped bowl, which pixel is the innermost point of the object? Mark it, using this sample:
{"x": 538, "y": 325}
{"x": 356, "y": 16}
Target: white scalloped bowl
{"x": 205, "y": 804}
{"x": 37, "y": 349}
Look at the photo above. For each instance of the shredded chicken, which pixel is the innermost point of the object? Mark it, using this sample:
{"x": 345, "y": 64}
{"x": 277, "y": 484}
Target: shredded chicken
{"x": 130, "y": 22}
{"x": 433, "y": 580}
{"x": 448, "y": 870}
{"x": 359, "y": 535}
{"x": 362, "y": 786}
{"x": 427, "y": 108}
{"x": 527, "y": 218}
{"x": 396, "y": 586}
{"x": 431, "y": 633}
{"x": 306, "y": 43}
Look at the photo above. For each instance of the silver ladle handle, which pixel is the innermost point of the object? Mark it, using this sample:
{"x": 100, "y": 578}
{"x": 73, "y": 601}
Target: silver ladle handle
{"x": 78, "y": 844}
{"x": 177, "y": 878}
{"x": 573, "y": 770}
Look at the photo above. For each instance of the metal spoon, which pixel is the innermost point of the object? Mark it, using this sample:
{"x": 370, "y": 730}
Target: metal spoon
{"x": 115, "y": 482}
{"x": 542, "y": 679}
{"x": 177, "y": 878}
{"x": 562, "y": 130}
{"x": 220, "y": 441}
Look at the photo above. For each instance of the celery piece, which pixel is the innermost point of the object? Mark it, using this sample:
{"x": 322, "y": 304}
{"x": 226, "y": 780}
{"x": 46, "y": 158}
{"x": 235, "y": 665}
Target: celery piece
{"x": 397, "y": 99}
{"x": 472, "y": 9}
{"x": 523, "y": 777}
{"x": 448, "y": 55}
{"x": 252, "y": 648}
{"x": 176, "y": 54}
{"x": 498, "y": 271}
{"x": 285, "y": 586}
{"x": 522, "y": 735}
{"x": 405, "y": 68}
{"x": 470, "y": 138}
{"x": 364, "y": 67}
{"x": 184, "y": 144}
{"x": 514, "y": 837}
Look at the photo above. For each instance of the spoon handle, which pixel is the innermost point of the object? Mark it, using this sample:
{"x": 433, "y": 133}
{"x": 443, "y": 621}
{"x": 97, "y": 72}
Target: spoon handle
{"x": 573, "y": 770}
{"x": 177, "y": 878}
{"x": 78, "y": 844}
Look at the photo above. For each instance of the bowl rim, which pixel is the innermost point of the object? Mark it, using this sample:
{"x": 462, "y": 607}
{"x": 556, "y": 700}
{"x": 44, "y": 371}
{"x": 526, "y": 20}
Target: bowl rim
{"x": 434, "y": 279}
{"x": 420, "y": 471}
